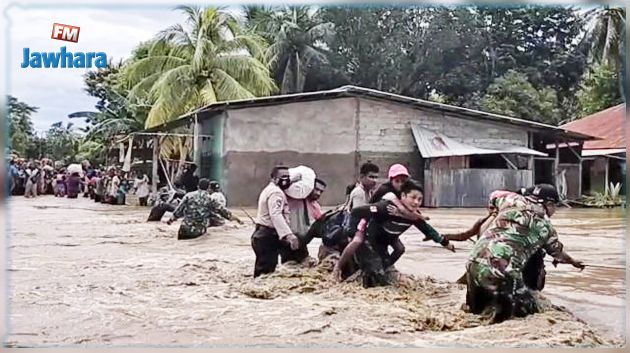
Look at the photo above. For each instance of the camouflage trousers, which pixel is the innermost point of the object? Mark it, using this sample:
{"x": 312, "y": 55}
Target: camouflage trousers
{"x": 501, "y": 296}
{"x": 191, "y": 230}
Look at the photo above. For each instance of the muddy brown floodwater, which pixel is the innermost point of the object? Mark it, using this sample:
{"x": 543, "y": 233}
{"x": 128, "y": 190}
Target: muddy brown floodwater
{"x": 96, "y": 275}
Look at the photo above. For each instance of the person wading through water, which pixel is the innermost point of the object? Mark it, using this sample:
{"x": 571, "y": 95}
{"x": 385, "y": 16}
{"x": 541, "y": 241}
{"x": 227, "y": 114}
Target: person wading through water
{"x": 302, "y": 215}
{"x": 272, "y": 223}
{"x": 495, "y": 266}
{"x": 390, "y": 190}
{"x": 534, "y": 270}
{"x": 217, "y": 195}
{"x": 376, "y": 229}
{"x": 334, "y": 234}
{"x": 188, "y": 179}
{"x": 196, "y": 207}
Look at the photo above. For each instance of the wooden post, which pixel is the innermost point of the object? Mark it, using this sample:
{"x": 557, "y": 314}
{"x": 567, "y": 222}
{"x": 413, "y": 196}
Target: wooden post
{"x": 579, "y": 158}
{"x": 531, "y": 165}
{"x": 580, "y": 170}
{"x": 606, "y": 174}
{"x": 197, "y": 146}
{"x": 154, "y": 174}
{"x": 556, "y": 164}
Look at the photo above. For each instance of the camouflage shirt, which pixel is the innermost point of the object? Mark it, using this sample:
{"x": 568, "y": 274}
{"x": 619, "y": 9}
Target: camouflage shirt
{"x": 520, "y": 229}
{"x": 196, "y": 208}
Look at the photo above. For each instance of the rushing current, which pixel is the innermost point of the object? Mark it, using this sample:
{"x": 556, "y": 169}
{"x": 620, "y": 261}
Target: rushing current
{"x": 86, "y": 274}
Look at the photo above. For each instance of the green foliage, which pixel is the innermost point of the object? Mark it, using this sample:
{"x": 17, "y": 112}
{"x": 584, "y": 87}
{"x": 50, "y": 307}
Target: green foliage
{"x": 611, "y": 197}
{"x": 605, "y": 33}
{"x": 21, "y": 132}
{"x": 513, "y": 95}
{"x": 296, "y": 36}
{"x": 211, "y": 59}
{"x": 62, "y": 142}
{"x": 115, "y": 113}
{"x": 457, "y": 51}
{"x": 525, "y": 61}
{"x": 599, "y": 90}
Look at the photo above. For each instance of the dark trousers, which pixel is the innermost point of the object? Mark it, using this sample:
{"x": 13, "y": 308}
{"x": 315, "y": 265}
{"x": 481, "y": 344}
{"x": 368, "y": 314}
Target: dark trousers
{"x": 142, "y": 201}
{"x": 534, "y": 272}
{"x": 372, "y": 258}
{"x": 266, "y": 245}
{"x": 511, "y": 299}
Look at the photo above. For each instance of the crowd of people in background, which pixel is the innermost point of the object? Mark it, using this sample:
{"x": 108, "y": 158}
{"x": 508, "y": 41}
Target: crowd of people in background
{"x": 109, "y": 185}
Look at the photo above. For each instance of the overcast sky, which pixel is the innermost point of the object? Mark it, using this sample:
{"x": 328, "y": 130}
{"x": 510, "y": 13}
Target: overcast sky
{"x": 59, "y": 92}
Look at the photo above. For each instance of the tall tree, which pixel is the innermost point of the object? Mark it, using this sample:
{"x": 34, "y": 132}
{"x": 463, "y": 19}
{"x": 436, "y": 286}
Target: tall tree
{"x": 297, "y": 37}
{"x": 62, "y": 142}
{"x": 210, "y": 60}
{"x": 457, "y": 51}
{"x": 21, "y": 126}
{"x": 114, "y": 114}
{"x": 513, "y": 95}
{"x": 600, "y": 90}
{"x": 605, "y": 35}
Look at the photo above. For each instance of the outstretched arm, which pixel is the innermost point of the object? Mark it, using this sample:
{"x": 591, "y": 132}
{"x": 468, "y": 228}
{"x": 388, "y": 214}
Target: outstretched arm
{"x": 215, "y": 206}
{"x": 474, "y": 230}
{"x": 555, "y": 248}
{"x": 179, "y": 211}
{"x": 430, "y": 233}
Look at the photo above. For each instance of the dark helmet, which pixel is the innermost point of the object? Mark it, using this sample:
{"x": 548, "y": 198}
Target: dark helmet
{"x": 214, "y": 186}
{"x": 545, "y": 193}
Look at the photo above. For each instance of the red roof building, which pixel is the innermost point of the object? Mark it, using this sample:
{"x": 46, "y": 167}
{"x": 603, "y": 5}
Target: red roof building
{"x": 608, "y": 125}
{"x": 603, "y": 160}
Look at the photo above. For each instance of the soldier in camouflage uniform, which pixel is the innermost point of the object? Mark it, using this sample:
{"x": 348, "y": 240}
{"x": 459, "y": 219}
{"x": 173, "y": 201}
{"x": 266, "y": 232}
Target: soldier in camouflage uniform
{"x": 495, "y": 267}
{"x": 197, "y": 207}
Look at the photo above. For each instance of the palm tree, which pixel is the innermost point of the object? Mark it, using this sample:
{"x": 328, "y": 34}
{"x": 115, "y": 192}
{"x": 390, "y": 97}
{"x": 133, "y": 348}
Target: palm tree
{"x": 209, "y": 60}
{"x": 297, "y": 39}
{"x": 605, "y": 34}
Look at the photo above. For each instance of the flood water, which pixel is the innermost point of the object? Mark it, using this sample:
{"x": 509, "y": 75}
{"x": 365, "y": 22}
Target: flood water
{"x": 594, "y": 236}
{"x": 92, "y": 275}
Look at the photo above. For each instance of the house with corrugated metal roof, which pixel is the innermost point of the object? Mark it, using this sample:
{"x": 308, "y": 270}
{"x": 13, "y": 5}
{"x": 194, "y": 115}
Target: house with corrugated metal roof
{"x": 460, "y": 155}
{"x": 603, "y": 159}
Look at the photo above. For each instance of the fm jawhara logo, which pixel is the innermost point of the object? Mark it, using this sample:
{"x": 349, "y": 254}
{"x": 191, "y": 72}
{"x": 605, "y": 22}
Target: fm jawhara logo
{"x": 63, "y": 58}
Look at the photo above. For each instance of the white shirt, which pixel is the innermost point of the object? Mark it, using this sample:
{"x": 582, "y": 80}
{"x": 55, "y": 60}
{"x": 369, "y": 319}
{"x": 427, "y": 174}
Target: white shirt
{"x": 219, "y": 198}
{"x": 273, "y": 210}
{"x": 115, "y": 184}
{"x": 142, "y": 186}
{"x": 359, "y": 196}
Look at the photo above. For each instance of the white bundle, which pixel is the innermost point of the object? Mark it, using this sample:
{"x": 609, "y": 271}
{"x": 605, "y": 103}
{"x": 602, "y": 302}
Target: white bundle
{"x": 304, "y": 186}
{"x": 75, "y": 168}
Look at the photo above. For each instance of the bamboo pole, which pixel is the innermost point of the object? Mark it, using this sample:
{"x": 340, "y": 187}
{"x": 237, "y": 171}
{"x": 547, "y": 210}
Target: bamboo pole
{"x": 154, "y": 174}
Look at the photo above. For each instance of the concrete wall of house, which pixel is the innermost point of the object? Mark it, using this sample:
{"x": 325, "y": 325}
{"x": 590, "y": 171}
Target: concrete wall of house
{"x": 385, "y": 137}
{"x": 470, "y": 187}
{"x": 333, "y": 137}
{"x": 385, "y": 134}
{"x": 319, "y": 134}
